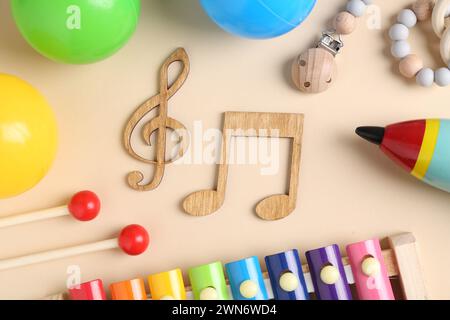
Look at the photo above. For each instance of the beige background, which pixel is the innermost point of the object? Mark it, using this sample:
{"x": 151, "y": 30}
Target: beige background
{"x": 348, "y": 190}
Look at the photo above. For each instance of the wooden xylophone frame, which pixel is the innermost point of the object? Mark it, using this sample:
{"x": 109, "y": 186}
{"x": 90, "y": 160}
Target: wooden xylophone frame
{"x": 402, "y": 263}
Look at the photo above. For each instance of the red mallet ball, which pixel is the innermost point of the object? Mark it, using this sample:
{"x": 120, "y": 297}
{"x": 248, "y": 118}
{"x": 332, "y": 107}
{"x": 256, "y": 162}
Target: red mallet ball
{"x": 134, "y": 239}
{"x": 84, "y": 206}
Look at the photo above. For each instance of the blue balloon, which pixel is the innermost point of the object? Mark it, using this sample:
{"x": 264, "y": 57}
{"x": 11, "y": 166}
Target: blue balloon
{"x": 258, "y": 19}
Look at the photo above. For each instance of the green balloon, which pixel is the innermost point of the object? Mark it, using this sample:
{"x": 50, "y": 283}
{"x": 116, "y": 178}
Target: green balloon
{"x": 76, "y": 31}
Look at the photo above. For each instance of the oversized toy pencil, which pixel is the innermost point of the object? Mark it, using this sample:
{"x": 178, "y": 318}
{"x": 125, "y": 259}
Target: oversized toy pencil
{"x": 422, "y": 147}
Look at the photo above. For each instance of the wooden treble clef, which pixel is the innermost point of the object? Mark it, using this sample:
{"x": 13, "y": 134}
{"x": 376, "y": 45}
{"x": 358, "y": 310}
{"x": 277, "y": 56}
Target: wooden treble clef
{"x": 158, "y": 125}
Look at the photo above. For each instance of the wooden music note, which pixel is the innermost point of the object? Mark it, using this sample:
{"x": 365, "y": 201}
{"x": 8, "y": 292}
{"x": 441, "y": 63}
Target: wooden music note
{"x": 158, "y": 125}
{"x": 205, "y": 202}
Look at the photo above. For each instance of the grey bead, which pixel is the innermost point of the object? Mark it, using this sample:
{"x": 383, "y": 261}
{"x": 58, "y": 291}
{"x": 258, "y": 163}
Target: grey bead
{"x": 400, "y": 49}
{"x": 407, "y": 17}
{"x": 425, "y": 77}
{"x": 442, "y": 77}
{"x": 356, "y": 7}
{"x": 398, "y": 32}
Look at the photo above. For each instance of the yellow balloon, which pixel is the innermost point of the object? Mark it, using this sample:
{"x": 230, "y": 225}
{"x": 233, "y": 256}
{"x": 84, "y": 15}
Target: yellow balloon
{"x": 28, "y": 136}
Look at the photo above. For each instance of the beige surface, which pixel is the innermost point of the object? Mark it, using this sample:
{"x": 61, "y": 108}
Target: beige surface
{"x": 348, "y": 190}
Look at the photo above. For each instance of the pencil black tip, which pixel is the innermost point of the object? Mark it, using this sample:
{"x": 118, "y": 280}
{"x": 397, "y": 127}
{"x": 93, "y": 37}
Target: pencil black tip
{"x": 371, "y": 134}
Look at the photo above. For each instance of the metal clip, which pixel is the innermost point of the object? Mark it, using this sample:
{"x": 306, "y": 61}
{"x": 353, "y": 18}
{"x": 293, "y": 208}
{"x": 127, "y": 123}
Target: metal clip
{"x": 330, "y": 42}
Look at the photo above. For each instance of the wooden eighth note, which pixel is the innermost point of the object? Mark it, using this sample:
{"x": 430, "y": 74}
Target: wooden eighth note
{"x": 158, "y": 125}
{"x": 275, "y": 207}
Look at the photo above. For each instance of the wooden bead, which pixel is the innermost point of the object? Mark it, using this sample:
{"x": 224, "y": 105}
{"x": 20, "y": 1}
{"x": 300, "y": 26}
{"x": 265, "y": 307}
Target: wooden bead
{"x": 344, "y": 23}
{"x": 314, "y": 70}
{"x": 423, "y": 9}
{"x": 445, "y": 46}
{"x": 410, "y": 65}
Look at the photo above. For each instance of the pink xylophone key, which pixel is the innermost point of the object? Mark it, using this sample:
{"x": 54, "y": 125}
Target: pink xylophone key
{"x": 369, "y": 271}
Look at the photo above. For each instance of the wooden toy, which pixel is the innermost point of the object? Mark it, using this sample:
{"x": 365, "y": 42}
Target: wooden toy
{"x": 133, "y": 240}
{"x": 369, "y": 270}
{"x": 84, "y": 206}
{"x": 421, "y": 147}
{"x": 158, "y": 125}
{"x": 440, "y": 14}
{"x": 326, "y": 275}
{"x": 208, "y": 282}
{"x": 167, "y": 285}
{"x": 315, "y": 70}
{"x": 286, "y": 276}
{"x": 283, "y": 125}
{"x": 258, "y": 19}
{"x": 128, "y": 290}
{"x": 246, "y": 279}
{"x": 92, "y": 290}
{"x": 410, "y": 64}
{"x": 28, "y": 139}
{"x": 76, "y": 31}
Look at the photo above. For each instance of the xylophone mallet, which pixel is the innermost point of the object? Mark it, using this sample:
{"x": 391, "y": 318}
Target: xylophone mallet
{"x": 133, "y": 240}
{"x": 84, "y": 206}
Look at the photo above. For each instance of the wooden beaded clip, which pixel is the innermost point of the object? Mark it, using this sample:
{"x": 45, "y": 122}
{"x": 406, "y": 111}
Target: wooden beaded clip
{"x": 315, "y": 70}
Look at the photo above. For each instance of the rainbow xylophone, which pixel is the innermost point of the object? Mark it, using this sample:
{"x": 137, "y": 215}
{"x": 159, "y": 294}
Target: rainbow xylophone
{"x": 327, "y": 276}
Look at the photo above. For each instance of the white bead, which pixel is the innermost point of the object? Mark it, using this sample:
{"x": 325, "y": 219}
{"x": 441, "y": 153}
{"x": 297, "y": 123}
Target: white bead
{"x": 368, "y": 2}
{"x": 371, "y": 267}
{"x": 442, "y": 77}
{"x": 425, "y": 77}
{"x": 407, "y": 17}
{"x": 289, "y": 282}
{"x": 209, "y": 293}
{"x": 399, "y": 32}
{"x": 248, "y": 289}
{"x": 329, "y": 275}
{"x": 400, "y": 49}
{"x": 356, "y": 7}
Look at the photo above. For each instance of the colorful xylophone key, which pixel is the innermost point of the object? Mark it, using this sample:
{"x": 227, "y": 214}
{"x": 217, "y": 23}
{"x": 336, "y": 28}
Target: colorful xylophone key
{"x": 369, "y": 271}
{"x": 367, "y": 266}
{"x": 129, "y": 290}
{"x": 167, "y": 285}
{"x": 92, "y": 290}
{"x": 328, "y": 274}
{"x": 208, "y": 282}
{"x": 246, "y": 279}
{"x": 286, "y": 276}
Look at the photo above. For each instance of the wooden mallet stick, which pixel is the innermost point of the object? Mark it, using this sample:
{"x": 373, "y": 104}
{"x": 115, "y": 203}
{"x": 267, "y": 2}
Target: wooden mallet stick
{"x": 84, "y": 206}
{"x": 133, "y": 240}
